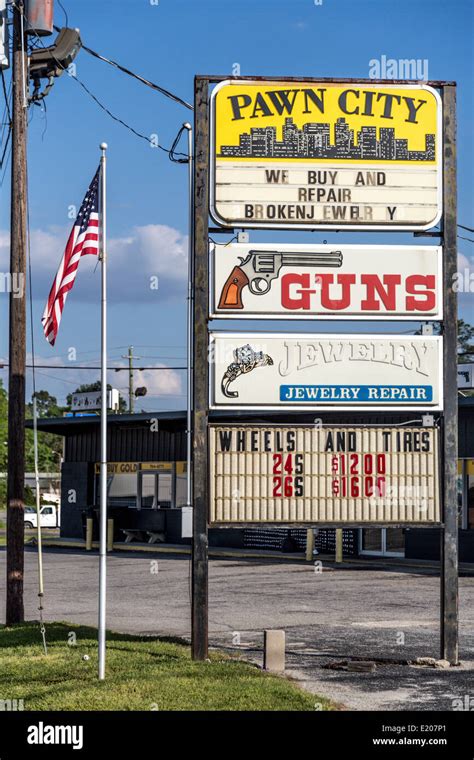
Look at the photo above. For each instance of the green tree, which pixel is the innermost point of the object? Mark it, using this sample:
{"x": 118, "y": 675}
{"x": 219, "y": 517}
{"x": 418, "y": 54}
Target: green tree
{"x": 465, "y": 342}
{"x": 50, "y": 446}
{"x": 465, "y": 345}
{"x": 46, "y": 405}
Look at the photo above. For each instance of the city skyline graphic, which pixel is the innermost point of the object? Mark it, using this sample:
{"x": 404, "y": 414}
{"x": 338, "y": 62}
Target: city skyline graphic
{"x": 313, "y": 140}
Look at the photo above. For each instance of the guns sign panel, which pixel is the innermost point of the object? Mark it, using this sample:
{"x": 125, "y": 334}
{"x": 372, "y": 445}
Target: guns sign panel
{"x": 310, "y": 474}
{"x": 272, "y": 281}
{"x": 268, "y": 371}
{"x": 317, "y": 155}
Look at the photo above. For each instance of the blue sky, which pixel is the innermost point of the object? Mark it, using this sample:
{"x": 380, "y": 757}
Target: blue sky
{"x": 170, "y": 42}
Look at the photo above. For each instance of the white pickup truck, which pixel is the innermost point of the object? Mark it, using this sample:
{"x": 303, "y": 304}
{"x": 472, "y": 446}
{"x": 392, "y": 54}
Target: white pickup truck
{"x": 50, "y": 515}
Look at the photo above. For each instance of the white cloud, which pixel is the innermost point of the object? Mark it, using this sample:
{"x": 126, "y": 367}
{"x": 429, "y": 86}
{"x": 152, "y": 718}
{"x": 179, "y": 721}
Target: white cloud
{"x": 60, "y": 382}
{"x": 161, "y": 383}
{"x": 157, "y": 383}
{"x": 148, "y": 265}
{"x": 464, "y": 262}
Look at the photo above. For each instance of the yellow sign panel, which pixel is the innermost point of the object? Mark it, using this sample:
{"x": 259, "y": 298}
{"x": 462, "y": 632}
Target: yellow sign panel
{"x": 312, "y": 154}
{"x": 323, "y": 475}
{"x": 124, "y": 468}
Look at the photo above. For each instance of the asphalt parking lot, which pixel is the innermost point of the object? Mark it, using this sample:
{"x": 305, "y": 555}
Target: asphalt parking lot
{"x": 388, "y": 616}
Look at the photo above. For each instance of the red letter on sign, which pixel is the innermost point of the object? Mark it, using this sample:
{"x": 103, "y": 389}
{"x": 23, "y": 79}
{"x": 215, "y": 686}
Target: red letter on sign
{"x": 303, "y": 302}
{"x": 426, "y": 301}
{"x": 345, "y": 280}
{"x": 388, "y": 294}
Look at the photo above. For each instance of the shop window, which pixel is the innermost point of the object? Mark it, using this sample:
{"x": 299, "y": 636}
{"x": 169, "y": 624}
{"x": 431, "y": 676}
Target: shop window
{"x": 181, "y": 490}
{"x": 155, "y": 490}
{"x": 121, "y": 490}
{"x": 143, "y": 486}
{"x": 384, "y": 542}
{"x": 148, "y": 490}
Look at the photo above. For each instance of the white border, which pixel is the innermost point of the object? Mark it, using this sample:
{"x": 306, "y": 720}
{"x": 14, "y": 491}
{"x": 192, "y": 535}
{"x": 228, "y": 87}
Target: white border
{"x": 351, "y": 408}
{"x": 245, "y": 224}
{"x": 214, "y": 313}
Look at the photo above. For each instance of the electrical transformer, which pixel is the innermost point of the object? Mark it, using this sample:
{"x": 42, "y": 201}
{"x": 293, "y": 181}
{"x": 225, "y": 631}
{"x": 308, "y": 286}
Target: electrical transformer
{"x": 40, "y": 17}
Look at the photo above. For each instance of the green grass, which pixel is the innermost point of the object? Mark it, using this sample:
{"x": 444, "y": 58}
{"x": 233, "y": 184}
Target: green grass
{"x": 143, "y": 673}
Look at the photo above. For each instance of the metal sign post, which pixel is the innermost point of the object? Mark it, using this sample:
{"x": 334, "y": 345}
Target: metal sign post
{"x": 449, "y": 534}
{"x": 199, "y": 634}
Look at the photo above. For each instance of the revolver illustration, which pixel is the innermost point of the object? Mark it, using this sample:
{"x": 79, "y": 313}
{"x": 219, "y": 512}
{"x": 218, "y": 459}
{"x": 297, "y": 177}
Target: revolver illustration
{"x": 258, "y": 270}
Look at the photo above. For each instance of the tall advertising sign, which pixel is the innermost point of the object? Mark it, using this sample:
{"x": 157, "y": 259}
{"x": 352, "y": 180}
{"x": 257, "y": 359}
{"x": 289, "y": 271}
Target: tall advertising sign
{"x": 308, "y": 155}
{"x": 376, "y": 282}
{"x": 321, "y": 475}
{"x": 307, "y": 371}
{"x": 336, "y": 155}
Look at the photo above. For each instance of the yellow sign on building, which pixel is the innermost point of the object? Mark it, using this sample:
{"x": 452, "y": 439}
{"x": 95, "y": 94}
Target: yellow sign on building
{"x": 305, "y": 154}
{"x": 125, "y": 468}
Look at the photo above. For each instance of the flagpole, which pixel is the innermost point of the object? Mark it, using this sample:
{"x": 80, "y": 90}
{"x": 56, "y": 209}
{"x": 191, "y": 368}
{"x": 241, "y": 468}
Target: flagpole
{"x": 103, "y": 417}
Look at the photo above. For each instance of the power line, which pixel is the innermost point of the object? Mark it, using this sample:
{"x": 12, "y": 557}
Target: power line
{"x": 6, "y": 166}
{"x": 96, "y": 99}
{"x": 138, "y": 77}
{"x": 66, "y": 18}
{"x": 6, "y": 112}
{"x": 109, "y": 369}
{"x": 7, "y": 142}
{"x": 7, "y": 105}
{"x": 170, "y": 152}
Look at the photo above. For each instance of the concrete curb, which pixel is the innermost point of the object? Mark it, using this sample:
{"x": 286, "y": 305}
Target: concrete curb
{"x": 216, "y": 553}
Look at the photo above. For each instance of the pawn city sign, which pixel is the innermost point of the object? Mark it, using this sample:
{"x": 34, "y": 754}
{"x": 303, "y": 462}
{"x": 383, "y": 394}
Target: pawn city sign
{"x": 327, "y": 154}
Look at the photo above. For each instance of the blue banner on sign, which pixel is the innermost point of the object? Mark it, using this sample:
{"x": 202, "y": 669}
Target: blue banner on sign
{"x": 357, "y": 393}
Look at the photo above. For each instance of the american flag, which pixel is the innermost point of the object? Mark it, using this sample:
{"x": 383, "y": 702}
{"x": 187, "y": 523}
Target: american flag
{"x": 84, "y": 239}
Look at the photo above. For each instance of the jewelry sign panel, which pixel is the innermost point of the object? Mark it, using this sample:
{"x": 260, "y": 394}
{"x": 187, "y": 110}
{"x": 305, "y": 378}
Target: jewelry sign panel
{"x": 273, "y": 281}
{"x": 317, "y": 474}
{"x": 270, "y": 371}
{"x": 307, "y": 154}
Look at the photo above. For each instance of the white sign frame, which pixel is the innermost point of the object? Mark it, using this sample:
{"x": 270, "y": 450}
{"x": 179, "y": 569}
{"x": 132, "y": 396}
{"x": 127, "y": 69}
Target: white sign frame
{"x": 260, "y": 339}
{"x": 468, "y": 384}
{"x": 337, "y": 225}
{"x": 113, "y": 399}
{"x": 234, "y": 250}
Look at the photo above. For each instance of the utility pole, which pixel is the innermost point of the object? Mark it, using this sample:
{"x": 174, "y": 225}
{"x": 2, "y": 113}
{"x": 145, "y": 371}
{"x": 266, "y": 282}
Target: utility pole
{"x": 17, "y": 339}
{"x": 131, "y": 395}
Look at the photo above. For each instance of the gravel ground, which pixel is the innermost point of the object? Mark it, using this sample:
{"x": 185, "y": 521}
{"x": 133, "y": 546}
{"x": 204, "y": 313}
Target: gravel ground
{"x": 331, "y": 616}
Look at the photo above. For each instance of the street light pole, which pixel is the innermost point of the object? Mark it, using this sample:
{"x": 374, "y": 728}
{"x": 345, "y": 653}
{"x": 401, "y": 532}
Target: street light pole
{"x": 189, "y": 405}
